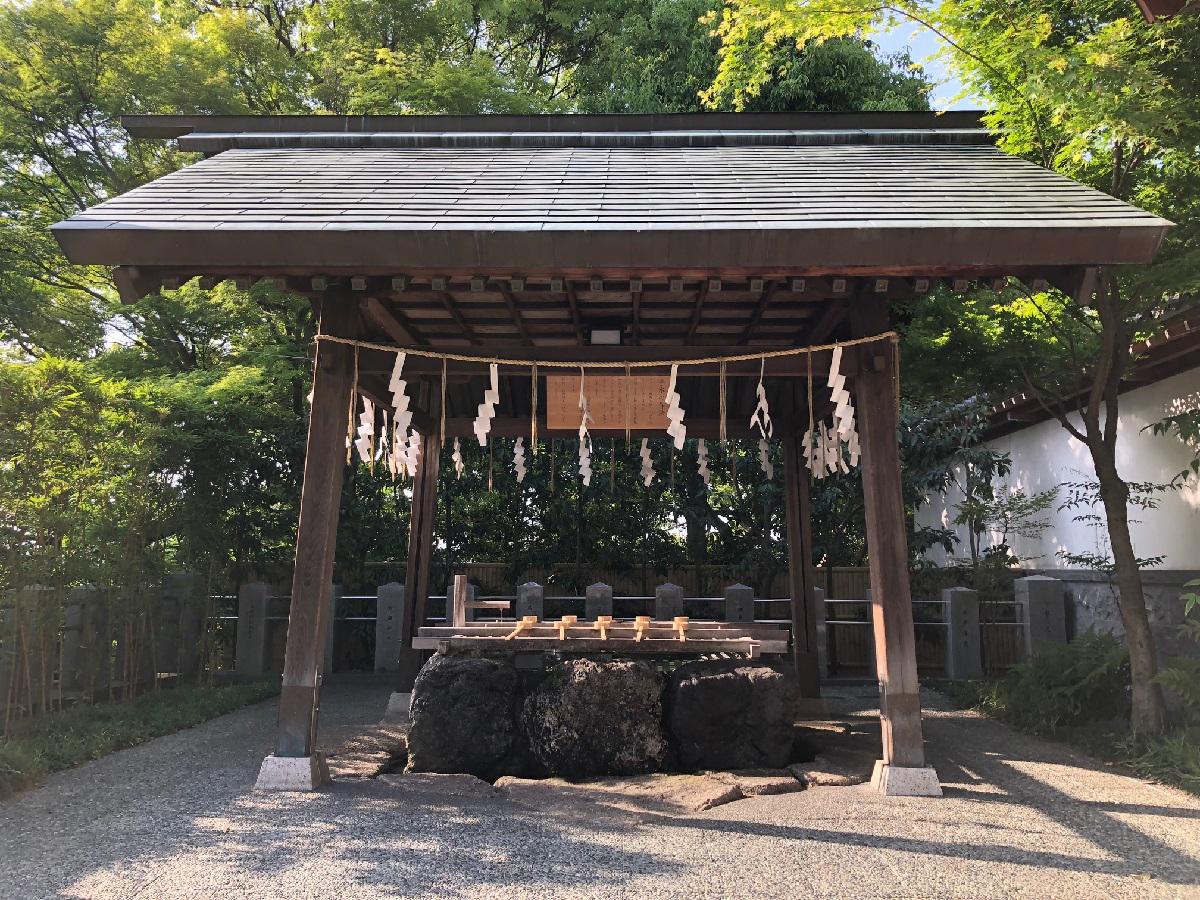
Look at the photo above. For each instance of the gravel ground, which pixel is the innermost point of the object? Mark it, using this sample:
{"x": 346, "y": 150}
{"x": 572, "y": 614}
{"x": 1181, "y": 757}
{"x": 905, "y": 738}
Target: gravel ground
{"x": 1021, "y": 817}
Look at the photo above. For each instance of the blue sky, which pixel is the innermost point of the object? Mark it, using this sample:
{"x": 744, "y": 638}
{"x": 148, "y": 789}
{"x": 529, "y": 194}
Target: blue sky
{"x": 921, "y": 44}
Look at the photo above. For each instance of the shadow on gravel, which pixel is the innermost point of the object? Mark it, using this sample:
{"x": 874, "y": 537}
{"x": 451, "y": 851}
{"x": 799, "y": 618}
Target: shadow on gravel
{"x": 986, "y": 762}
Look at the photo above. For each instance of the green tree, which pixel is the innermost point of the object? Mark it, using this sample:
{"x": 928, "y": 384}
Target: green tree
{"x": 1092, "y": 91}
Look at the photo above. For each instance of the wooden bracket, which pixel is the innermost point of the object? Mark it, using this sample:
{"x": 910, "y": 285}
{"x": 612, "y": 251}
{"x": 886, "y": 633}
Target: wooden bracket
{"x": 602, "y": 624}
{"x": 525, "y": 624}
{"x": 563, "y": 624}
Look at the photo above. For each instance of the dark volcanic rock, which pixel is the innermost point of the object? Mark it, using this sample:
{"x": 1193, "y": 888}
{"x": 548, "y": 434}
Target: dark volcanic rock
{"x": 730, "y": 714}
{"x": 463, "y": 714}
{"x": 597, "y": 718}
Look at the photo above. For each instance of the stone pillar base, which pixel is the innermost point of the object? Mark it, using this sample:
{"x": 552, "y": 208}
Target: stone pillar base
{"x": 293, "y": 773}
{"x": 397, "y": 709}
{"x": 905, "y": 781}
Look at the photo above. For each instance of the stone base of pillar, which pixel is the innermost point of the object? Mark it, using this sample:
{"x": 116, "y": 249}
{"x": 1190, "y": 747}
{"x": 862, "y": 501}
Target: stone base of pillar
{"x": 397, "y": 709}
{"x": 905, "y": 781}
{"x": 293, "y": 773}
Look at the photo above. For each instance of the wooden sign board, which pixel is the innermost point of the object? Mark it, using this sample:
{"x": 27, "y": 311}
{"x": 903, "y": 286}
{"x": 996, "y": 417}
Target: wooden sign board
{"x": 610, "y": 399}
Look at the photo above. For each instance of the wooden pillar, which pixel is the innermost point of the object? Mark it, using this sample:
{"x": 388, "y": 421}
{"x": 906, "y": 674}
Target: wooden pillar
{"x": 420, "y": 547}
{"x": 800, "y": 573}
{"x": 887, "y": 546}
{"x": 320, "y": 498}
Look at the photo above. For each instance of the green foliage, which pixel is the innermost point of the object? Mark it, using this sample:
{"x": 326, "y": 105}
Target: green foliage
{"x": 1063, "y": 686}
{"x": 1181, "y": 674}
{"x": 1079, "y": 693}
{"x": 1083, "y": 497}
{"x": 1173, "y": 758}
{"x": 64, "y": 739}
{"x": 1185, "y": 426}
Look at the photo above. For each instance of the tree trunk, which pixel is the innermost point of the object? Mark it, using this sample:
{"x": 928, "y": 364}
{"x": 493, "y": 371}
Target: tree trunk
{"x": 1148, "y": 713}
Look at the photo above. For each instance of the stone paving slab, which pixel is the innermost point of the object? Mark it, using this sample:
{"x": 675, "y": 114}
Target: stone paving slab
{"x": 177, "y": 817}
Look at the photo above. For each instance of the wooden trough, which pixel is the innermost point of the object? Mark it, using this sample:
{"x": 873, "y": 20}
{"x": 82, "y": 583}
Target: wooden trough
{"x": 641, "y": 636}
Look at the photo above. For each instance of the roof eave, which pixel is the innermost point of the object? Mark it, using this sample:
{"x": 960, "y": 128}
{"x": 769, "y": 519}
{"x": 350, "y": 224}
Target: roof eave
{"x": 296, "y": 245}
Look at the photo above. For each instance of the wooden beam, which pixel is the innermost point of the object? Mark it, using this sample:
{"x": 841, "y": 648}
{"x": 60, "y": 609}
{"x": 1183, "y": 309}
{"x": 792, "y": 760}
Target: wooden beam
{"x": 759, "y": 308}
{"x": 391, "y": 322}
{"x": 800, "y": 573}
{"x": 133, "y": 283}
{"x": 320, "y": 497}
{"x": 381, "y": 361}
{"x": 887, "y": 548}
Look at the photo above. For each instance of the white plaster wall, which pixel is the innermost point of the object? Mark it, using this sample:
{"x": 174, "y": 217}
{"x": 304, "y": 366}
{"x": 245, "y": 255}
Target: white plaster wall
{"x": 1045, "y": 455}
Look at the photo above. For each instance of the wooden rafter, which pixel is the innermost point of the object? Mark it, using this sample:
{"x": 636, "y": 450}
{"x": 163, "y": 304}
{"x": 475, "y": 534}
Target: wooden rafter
{"x": 756, "y": 316}
{"x": 835, "y": 312}
{"x": 573, "y": 306}
{"x": 697, "y": 310}
{"x": 391, "y": 322}
{"x": 515, "y": 311}
{"x": 636, "y": 297}
{"x": 457, "y": 316}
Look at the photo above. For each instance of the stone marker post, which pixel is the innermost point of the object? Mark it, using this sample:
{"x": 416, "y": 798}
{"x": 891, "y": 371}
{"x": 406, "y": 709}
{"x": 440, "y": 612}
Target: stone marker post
{"x": 191, "y": 623}
{"x": 531, "y": 600}
{"x": 389, "y": 613}
{"x": 739, "y": 603}
{"x": 335, "y": 596}
{"x": 250, "y": 654}
{"x": 598, "y": 601}
{"x": 668, "y": 602}
{"x": 964, "y": 658}
{"x": 822, "y": 631}
{"x": 1042, "y": 601}
{"x": 73, "y": 654}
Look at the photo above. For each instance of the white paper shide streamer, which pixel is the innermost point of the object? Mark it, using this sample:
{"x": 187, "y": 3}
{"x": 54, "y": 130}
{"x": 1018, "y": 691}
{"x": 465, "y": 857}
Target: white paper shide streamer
{"x": 834, "y": 448}
{"x": 764, "y": 459}
{"x": 647, "y": 463}
{"x": 401, "y": 454}
{"x": 365, "y": 442}
{"x": 519, "y": 459}
{"x": 702, "y": 462}
{"x": 676, "y": 429}
{"x": 585, "y": 439}
{"x": 487, "y": 409}
{"x": 457, "y": 458}
{"x": 761, "y": 417}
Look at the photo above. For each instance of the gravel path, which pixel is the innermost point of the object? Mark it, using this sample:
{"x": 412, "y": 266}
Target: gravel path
{"x": 175, "y": 818}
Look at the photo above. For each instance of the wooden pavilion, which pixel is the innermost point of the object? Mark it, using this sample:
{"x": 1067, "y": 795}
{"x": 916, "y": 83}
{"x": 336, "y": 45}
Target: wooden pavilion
{"x": 605, "y": 239}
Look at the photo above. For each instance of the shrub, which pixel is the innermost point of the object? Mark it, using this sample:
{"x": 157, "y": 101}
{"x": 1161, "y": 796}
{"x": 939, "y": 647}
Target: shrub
{"x": 1084, "y": 681}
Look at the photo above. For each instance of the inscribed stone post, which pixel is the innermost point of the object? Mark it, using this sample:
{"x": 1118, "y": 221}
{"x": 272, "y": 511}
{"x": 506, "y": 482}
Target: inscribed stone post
{"x": 963, "y": 654}
{"x": 531, "y": 600}
{"x": 598, "y": 601}
{"x": 668, "y": 602}
{"x": 389, "y": 613}
{"x": 739, "y": 603}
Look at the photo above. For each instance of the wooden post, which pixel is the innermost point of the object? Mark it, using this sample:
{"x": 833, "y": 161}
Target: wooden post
{"x": 800, "y": 575}
{"x": 887, "y": 550}
{"x": 420, "y": 551}
{"x": 458, "y": 602}
{"x": 320, "y": 496}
